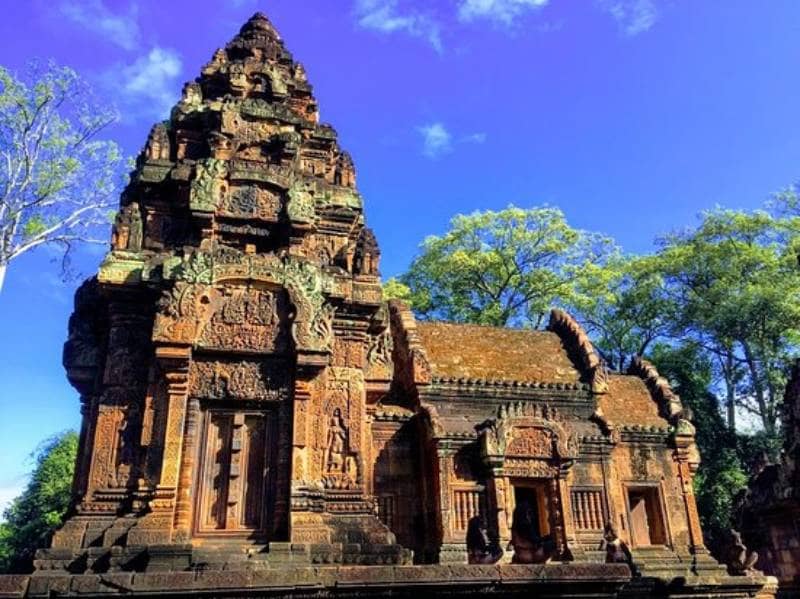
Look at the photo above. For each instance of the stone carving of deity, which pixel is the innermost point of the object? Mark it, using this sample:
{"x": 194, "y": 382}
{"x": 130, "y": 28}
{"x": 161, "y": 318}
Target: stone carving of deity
{"x": 336, "y": 445}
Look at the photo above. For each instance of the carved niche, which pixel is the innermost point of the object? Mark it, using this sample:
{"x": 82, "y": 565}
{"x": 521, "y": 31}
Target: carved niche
{"x": 341, "y": 464}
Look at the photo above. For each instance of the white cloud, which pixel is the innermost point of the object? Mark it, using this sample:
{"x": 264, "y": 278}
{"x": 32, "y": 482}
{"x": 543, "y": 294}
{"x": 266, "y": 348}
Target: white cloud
{"x": 94, "y": 15}
{"x": 384, "y": 16}
{"x": 474, "y": 138}
{"x": 499, "y": 11}
{"x": 436, "y": 140}
{"x": 632, "y": 16}
{"x": 151, "y": 84}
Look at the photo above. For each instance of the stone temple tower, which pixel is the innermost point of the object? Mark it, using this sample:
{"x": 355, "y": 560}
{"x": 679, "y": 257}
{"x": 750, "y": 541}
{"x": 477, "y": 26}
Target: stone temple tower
{"x": 222, "y": 351}
{"x": 257, "y": 421}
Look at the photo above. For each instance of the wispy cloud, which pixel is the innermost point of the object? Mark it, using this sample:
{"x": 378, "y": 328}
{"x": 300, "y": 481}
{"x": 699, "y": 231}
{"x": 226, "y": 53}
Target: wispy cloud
{"x": 384, "y": 16}
{"x": 632, "y": 16}
{"x": 151, "y": 84}
{"x": 500, "y": 11}
{"x": 474, "y": 138}
{"x": 438, "y": 141}
{"x": 121, "y": 29}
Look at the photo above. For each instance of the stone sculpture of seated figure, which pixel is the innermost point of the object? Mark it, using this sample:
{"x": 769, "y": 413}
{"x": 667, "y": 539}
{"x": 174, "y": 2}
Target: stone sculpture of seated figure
{"x": 529, "y": 547}
{"x": 739, "y": 559}
{"x": 617, "y": 551}
{"x": 480, "y": 549}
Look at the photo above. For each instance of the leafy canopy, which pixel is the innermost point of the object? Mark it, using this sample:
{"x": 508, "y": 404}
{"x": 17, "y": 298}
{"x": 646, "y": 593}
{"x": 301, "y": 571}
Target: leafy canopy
{"x": 736, "y": 284}
{"x": 502, "y": 268}
{"x": 58, "y": 181}
{"x": 32, "y": 517}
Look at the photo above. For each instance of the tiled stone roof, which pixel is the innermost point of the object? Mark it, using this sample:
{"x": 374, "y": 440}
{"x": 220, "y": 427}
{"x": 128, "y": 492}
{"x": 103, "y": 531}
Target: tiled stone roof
{"x": 628, "y": 401}
{"x": 466, "y": 351}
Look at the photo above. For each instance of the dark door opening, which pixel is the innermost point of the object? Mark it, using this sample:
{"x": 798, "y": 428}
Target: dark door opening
{"x": 529, "y": 497}
{"x": 530, "y": 523}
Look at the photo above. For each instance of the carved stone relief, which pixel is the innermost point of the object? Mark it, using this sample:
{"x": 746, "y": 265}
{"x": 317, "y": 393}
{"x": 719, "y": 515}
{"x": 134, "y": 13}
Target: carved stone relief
{"x": 266, "y": 380}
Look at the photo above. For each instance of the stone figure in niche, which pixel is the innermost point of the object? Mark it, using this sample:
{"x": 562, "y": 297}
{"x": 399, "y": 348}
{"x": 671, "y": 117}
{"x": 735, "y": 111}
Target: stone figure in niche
{"x": 158, "y": 147}
{"x": 125, "y": 455}
{"x": 480, "y": 548}
{"x": 337, "y": 444}
{"x": 617, "y": 551}
{"x": 529, "y": 547}
{"x": 128, "y": 229}
{"x": 739, "y": 560}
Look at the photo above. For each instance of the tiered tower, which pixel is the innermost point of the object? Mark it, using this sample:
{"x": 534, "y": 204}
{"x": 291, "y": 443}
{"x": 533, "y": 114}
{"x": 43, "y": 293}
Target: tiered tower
{"x": 228, "y": 349}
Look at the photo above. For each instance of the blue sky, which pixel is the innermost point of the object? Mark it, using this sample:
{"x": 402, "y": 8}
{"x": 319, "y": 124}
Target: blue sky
{"x": 630, "y": 115}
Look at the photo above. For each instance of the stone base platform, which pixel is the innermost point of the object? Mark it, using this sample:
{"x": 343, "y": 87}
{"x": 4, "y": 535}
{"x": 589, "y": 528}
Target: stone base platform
{"x": 595, "y": 581}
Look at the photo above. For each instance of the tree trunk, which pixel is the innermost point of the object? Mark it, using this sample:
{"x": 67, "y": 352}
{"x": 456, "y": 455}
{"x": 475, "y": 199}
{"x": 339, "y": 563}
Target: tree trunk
{"x": 730, "y": 390}
{"x": 758, "y": 387}
{"x": 3, "y": 267}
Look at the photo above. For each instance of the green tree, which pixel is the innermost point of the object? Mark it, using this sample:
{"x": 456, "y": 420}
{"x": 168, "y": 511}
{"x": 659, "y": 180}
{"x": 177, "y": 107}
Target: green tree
{"x": 624, "y": 308}
{"x": 58, "y": 181}
{"x": 721, "y": 475}
{"x": 736, "y": 285}
{"x": 505, "y": 268}
{"x": 33, "y": 516}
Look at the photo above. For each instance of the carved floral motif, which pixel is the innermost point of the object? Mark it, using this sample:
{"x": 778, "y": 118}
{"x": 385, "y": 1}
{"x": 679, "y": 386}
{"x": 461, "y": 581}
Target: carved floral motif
{"x": 239, "y": 379}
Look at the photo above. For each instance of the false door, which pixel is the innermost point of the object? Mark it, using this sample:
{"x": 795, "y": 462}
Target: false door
{"x": 235, "y": 474}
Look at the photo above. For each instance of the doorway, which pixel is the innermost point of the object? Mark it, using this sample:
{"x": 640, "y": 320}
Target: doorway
{"x": 646, "y": 517}
{"x": 233, "y": 494}
{"x": 533, "y": 496}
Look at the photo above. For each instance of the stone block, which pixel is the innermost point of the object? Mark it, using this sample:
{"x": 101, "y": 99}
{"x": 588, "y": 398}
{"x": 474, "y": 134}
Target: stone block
{"x": 13, "y": 585}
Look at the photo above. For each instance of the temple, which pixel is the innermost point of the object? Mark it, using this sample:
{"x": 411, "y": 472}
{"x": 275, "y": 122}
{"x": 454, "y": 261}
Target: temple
{"x": 769, "y": 510}
{"x": 256, "y": 418}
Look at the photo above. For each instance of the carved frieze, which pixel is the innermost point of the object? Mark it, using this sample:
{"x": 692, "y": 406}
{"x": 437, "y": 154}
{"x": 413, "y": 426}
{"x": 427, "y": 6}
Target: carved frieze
{"x": 527, "y": 432}
{"x": 250, "y": 201}
{"x": 245, "y": 319}
{"x": 260, "y": 380}
{"x": 208, "y": 185}
{"x": 379, "y": 355}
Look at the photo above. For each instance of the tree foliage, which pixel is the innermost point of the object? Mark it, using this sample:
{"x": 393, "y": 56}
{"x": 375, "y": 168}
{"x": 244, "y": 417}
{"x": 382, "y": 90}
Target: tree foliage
{"x": 58, "y": 181}
{"x": 33, "y": 516}
{"x": 735, "y": 283}
{"x": 503, "y": 268}
{"x": 624, "y": 308}
{"x": 721, "y": 474}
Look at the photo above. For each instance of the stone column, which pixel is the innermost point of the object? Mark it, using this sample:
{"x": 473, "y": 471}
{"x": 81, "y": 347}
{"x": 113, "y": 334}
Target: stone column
{"x": 569, "y": 545}
{"x": 498, "y": 490}
{"x": 184, "y": 508}
{"x": 683, "y": 454}
{"x": 156, "y": 527}
{"x": 453, "y": 548}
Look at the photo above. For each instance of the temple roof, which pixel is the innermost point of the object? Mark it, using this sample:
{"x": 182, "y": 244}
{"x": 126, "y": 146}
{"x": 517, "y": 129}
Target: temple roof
{"x": 476, "y": 352}
{"x": 493, "y": 353}
{"x": 629, "y": 401}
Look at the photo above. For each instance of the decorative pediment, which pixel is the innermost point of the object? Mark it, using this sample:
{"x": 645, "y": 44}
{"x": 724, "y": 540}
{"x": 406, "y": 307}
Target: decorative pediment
{"x": 528, "y": 432}
{"x": 205, "y": 289}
